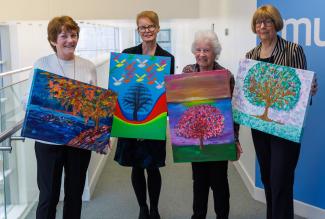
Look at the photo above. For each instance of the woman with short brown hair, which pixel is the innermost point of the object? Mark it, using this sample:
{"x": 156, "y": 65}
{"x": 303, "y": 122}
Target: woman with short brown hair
{"x": 63, "y": 36}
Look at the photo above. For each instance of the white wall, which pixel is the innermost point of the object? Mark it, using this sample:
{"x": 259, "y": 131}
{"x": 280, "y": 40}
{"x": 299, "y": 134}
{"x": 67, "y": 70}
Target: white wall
{"x": 28, "y": 41}
{"x": 95, "y": 9}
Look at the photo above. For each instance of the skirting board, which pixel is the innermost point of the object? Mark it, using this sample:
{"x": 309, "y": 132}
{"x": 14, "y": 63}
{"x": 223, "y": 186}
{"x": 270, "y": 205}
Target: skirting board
{"x": 93, "y": 181}
{"x": 302, "y": 209}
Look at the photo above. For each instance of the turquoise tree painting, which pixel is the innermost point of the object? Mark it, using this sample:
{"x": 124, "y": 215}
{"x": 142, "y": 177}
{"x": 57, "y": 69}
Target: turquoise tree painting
{"x": 272, "y": 98}
{"x": 272, "y": 86}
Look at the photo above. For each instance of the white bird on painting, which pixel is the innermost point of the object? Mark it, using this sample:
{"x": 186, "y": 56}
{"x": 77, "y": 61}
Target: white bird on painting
{"x": 118, "y": 82}
{"x": 142, "y": 64}
{"x": 160, "y": 85}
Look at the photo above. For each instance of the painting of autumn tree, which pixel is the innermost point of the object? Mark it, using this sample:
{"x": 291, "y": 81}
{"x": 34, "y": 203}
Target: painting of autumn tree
{"x": 137, "y": 99}
{"x": 82, "y": 99}
{"x": 200, "y": 122}
{"x": 271, "y": 86}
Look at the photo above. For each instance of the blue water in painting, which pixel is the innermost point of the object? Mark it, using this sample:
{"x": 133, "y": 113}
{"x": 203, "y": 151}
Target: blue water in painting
{"x": 56, "y": 127}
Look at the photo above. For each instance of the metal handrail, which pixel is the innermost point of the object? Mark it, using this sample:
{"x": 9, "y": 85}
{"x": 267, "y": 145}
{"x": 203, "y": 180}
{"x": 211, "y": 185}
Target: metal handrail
{"x": 16, "y": 71}
{"x": 9, "y": 132}
{"x": 97, "y": 63}
{"x": 13, "y": 84}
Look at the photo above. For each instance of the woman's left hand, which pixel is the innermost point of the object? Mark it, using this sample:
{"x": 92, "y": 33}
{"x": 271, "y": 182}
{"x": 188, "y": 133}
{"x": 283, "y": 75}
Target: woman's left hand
{"x": 314, "y": 86}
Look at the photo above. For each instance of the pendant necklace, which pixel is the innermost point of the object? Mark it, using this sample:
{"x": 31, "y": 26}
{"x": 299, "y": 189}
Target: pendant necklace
{"x": 74, "y": 67}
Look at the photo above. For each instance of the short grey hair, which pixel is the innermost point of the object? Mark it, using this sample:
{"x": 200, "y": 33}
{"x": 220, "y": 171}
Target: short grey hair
{"x": 208, "y": 36}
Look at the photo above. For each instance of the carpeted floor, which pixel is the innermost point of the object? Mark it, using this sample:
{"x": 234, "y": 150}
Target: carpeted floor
{"x": 113, "y": 197}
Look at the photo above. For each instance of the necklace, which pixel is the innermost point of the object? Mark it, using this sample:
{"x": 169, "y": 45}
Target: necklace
{"x": 74, "y": 67}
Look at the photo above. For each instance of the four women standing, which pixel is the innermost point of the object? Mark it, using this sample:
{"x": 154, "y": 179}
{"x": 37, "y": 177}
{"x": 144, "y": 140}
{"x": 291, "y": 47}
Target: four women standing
{"x": 277, "y": 157}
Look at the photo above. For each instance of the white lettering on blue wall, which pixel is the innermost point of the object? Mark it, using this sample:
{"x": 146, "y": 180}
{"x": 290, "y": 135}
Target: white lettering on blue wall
{"x": 306, "y": 22}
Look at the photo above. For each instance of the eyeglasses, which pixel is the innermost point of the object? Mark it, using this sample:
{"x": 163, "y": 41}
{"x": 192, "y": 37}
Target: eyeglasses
{"x": 203, "y": 50}
{"x": 266, "y": 22}
{"x": 143, "y": 29}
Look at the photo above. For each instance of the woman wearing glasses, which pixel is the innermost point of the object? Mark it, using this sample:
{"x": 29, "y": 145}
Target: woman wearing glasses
{"x": 142, "y": 154}
{"x": 277, "y": 157}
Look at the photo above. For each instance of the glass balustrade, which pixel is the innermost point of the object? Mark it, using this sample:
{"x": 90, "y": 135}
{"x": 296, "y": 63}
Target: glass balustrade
{"x": 18, "y": 187}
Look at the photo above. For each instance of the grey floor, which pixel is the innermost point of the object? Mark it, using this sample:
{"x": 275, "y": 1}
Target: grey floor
{"x": 113, "y": 197}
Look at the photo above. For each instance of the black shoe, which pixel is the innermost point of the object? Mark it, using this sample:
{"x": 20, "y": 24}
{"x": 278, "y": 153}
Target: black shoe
{"x": 144, "y": 213}
{"x": 154, "y": 214}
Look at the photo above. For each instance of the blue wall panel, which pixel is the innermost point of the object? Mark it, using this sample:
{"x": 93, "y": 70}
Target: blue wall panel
{"x": 310, "y": 173}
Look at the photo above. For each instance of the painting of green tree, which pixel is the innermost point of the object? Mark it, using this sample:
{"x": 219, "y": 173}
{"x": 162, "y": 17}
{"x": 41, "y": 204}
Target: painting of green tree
{"x": 272, "y": 86}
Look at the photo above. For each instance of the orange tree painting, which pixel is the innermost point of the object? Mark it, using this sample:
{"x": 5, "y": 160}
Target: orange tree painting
{"x": 272, "y": 86}
{"x": 83, "y": 99}
{"x": 68, "y": 112}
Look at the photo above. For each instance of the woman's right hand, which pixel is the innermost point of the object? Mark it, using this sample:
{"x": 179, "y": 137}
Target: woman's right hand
{"x": 239, "y": 150}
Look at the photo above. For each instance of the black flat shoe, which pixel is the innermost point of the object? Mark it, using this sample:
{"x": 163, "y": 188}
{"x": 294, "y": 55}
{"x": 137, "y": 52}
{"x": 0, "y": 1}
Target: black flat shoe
{"x": 154, "y": 214}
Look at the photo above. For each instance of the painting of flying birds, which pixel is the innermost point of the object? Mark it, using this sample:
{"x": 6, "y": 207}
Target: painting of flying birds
{"x": 141, "y": 110}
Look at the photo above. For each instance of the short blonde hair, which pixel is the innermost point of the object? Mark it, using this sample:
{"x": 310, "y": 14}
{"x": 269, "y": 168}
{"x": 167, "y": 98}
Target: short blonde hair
{"x": 265, "y": 12}
{"x": 210, "y": 37}
{"x": 151, "y": 15}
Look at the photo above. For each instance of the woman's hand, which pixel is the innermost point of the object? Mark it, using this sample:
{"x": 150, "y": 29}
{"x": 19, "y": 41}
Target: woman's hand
{"x": 239, "y": 150}
{"x": 107, "y": 148}
{"x": 314, "y": 86}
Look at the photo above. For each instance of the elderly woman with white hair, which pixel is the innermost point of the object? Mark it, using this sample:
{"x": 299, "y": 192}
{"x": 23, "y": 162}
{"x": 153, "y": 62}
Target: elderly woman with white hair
{"x": 206, "y": 49}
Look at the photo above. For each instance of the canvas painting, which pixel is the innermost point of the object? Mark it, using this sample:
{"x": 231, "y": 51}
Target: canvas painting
{"x": 141, "y": 110}
{"x": 272, "y": 98}
{"x": 200, "y": 116}
{"x": 65, "y": 111}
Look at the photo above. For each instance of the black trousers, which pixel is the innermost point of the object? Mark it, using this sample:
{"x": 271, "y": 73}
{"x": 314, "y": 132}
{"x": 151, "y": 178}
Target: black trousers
{"x": 278, "y": 159}
{"x": 212, "y": 175}
{"x": 51, "y": 159}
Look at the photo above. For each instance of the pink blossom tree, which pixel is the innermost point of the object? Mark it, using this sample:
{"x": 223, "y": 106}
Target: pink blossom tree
{"x": 202, "y": 122}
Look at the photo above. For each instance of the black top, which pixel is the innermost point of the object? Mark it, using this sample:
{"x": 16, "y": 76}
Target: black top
{"x": 159, "y": 52}
{"x": 143, "y": 153}
{"x": 285, "y": 53}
